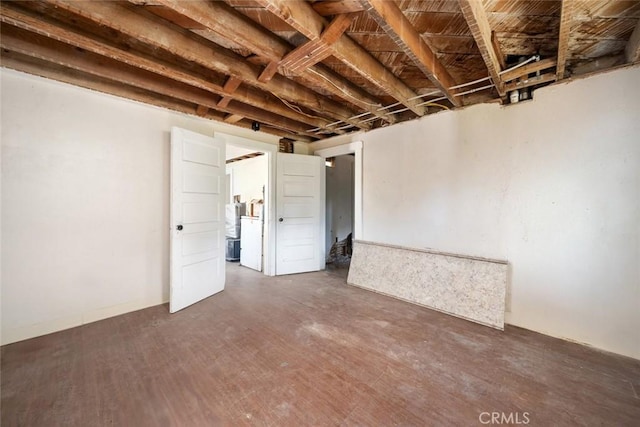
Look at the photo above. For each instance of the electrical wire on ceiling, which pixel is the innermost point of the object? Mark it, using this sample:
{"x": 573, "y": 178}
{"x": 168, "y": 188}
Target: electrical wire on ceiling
{"x": 359, "y": 101}
{"x": 442, "y": 98}
{"x": 521, "y": 64}
{"x": 434, "y": 104}
{"x": 428, "y": 103}
{"x": 297, "y": 109}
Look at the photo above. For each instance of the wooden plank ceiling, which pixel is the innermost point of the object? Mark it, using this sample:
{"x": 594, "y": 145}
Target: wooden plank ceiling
{"x": 308, "y": 70}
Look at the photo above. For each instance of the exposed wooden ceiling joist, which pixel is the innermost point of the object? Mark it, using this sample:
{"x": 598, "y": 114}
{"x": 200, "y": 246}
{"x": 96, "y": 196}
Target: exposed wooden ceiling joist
{"x": 632, "y": 49}
{"x": 30, "y": 44}
{"x": 496, "y": 48}
{"x": 476, "y": 17}
{"x": 58, "y": 31}
{"x": 528, "y": 69}
{"x": 35, "y": 66}
{"x": 202, "y": 110}
{"x": 566, "y": 19}
{"x": 230, "y": 24}
{"x": 233, "y": 118}
{"x": 312, "y": 69}
{"x": 230, "y": 86}
{"x": 245, "y": 157}
{"x": 301, "y": 16}
{"x": 532, "y": 81}
{"x": 310, "y": 53}
{"x": 338, "y": 7}
{"x": 395, "y": 23}
{"x": 178, "y": 42}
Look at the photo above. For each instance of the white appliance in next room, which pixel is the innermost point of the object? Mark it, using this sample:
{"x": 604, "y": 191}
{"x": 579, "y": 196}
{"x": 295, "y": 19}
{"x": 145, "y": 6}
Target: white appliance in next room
{"x": 251, "y": 242}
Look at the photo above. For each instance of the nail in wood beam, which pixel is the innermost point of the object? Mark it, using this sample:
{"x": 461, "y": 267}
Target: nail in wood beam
{"x": 632, "y": 50}
{"x": 566, "y": 18}
{"x": 478, "y": 22}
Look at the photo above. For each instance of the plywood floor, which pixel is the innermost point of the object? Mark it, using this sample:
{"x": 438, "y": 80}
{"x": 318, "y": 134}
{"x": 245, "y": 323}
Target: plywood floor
{"x": 308, "y": 350}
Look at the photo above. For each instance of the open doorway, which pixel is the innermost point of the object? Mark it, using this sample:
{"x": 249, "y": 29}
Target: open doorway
{"x": 235, "y": 148}
{"x": 247, "y": 175}
{"x": 339, "y": 210}
{"x": 350, "y": 156}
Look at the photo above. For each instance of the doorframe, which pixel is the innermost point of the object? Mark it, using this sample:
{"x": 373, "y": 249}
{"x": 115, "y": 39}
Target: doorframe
{"x": 270, "y": 150}
{"x": 351, "y": 148}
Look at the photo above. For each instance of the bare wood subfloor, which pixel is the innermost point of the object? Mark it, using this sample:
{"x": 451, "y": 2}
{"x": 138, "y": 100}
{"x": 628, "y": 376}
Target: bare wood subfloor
{"x": 308, "y": 350}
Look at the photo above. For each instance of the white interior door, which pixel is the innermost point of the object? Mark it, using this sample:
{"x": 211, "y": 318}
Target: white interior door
{"x": 300, "y": 213}
{"x": 197, "y": 218}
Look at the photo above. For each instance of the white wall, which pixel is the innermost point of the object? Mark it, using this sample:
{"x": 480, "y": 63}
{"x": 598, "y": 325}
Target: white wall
{"x": 339, "y": 199}
{"x": 551, "y": 185}
{"x": 249, "y": 176}
{"x": 85, "y": 203}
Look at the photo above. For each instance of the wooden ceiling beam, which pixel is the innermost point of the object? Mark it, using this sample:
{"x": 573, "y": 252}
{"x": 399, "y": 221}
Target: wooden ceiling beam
{"x": 566, "y": 19}
{"x": 181, "y": 43}
{"x": 26, "y": 64}
{"x": 338, "y": 7}
{"x": 632, "y": 49}
{"x": 268, "y": 72}
{"x": 301, "y": 16}
{"x": 38, "y": 67}
{"x": 389, "y": 16}
{"x": 478, "y": 22}
{"x": 496, "y": 48}
{"x": 11, "y": 15}
{"x": 229, "y": 87}
{"x": 202, "y": 110}
{"x": 336, "y": 28}
{"x": 533, "y": 81}
{"x": 30, "y": 44}
{"x": 232, "y": 118}
{"x": 528, "y": 69}
{"x": 230, "y": 24}
{"x": 310, "y": 53}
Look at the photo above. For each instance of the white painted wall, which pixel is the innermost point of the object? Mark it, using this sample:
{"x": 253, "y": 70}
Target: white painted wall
{"x": 552, "y": 186}
{"x": 339, "y": 199}
{"x": 85, "y": 203}
{"x": 249, "y": 176}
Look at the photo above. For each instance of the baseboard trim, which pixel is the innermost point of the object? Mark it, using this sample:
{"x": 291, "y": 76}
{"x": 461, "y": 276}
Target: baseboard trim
{"x": 21, "y": 333}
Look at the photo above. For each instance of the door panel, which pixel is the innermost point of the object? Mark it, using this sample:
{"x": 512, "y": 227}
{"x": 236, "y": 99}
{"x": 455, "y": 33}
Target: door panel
{"x": 300, "y": 213}
{"x": 197, "y": 249}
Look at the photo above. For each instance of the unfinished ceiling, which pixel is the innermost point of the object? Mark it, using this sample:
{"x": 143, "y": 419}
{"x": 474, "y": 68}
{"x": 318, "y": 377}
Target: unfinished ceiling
{"x": 307, "y": 70}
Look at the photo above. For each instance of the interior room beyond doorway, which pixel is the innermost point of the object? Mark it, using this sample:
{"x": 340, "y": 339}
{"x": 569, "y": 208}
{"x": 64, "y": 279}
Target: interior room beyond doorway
{"x": 247, "y": 172}
{"x": 340, "y": 181}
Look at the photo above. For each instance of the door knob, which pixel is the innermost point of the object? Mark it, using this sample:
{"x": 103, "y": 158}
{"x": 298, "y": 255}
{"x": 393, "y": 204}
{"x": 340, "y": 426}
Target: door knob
{"x": 179, "y": 227}
{"x": 281, "y": 219}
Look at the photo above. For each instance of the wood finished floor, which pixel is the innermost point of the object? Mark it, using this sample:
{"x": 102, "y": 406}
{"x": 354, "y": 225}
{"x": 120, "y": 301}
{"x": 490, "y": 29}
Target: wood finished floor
{"x": 308, "y": 350}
